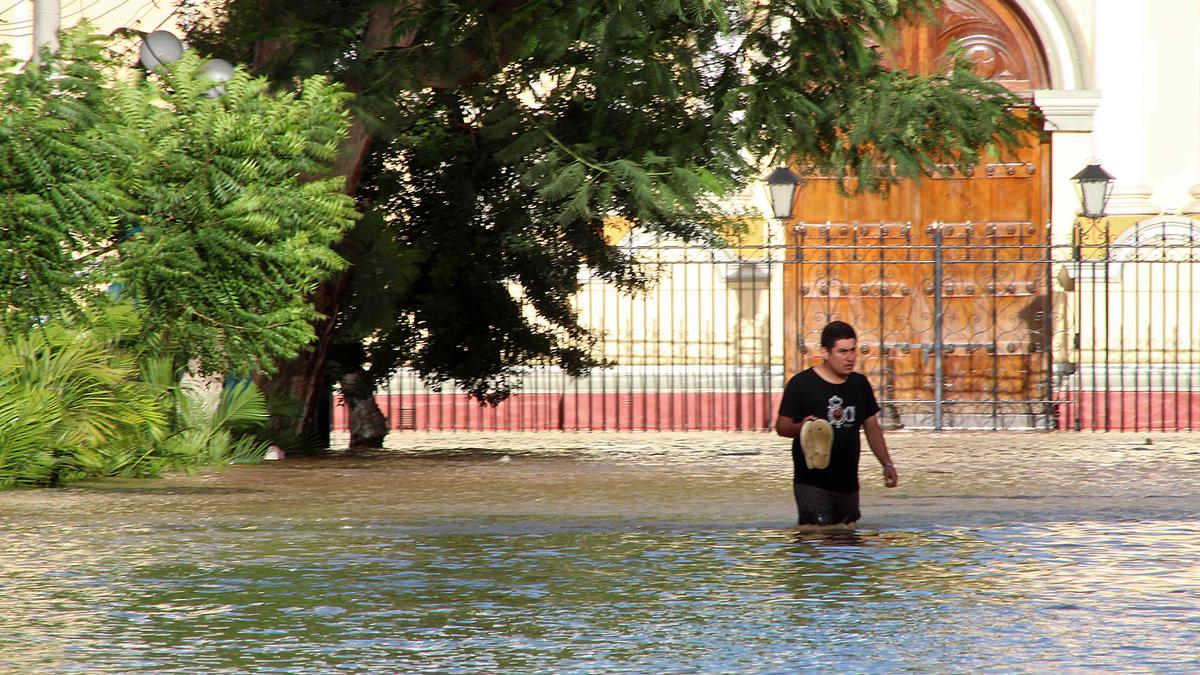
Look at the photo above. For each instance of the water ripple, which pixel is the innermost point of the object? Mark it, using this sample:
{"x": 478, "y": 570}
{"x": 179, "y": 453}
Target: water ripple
{"x": 606, "y": 557}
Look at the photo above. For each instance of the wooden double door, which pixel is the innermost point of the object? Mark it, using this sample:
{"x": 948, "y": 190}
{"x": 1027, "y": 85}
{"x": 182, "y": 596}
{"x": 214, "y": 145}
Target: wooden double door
{"x": 947, "y": 280}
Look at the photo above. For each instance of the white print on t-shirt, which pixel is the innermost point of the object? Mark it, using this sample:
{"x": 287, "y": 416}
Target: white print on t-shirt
{"x": 840, "y": 415}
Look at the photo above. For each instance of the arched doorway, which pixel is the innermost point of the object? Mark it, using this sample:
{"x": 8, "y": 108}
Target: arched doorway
{"x": 946, "y": 279}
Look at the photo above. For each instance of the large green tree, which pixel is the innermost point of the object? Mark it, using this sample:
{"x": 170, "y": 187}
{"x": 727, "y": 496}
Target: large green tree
{"x": 214, "y": 214}
{"x": 151, "y": 224}
{"x": 493, "y": 138}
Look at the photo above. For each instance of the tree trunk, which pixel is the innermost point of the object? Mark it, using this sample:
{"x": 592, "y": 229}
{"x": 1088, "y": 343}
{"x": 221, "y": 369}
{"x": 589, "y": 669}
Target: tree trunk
{"x": 300, "y": 382}
{"x": 368, "y": 426}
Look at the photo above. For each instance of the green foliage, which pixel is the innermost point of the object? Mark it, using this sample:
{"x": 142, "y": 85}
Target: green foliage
{"x": 215, "y": 214}
{"x": 207, "y": 431}
{"x": 72, "y": 405}
{"x": 237, "y": 213}
{"x": 505, "y": 133}
{"x": 82, "y": 400}
{"x": 58, "y": 199}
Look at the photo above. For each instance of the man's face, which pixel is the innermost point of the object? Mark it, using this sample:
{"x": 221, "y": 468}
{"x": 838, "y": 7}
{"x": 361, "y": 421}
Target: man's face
{"x": 842, "y": 357}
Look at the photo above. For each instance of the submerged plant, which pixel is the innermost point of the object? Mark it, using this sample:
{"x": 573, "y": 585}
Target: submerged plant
{"x": 209, "y": 429}
{"x": 72, "y": 404}
{"x": 79, "y": 399}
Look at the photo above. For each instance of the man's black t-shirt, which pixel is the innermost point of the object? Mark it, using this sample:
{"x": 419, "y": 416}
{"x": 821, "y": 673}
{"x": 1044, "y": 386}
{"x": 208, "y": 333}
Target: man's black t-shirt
{"x": 846, "y": 406}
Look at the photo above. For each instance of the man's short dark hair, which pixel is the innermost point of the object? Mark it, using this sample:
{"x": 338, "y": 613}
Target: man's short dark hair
{"x": 836, "y": 330}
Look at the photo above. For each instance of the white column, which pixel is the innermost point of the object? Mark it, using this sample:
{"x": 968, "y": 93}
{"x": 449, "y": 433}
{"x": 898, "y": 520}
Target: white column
{"x": 1193, "y": 81}
{"x": 1172, "y": 83}
{"x": 1122, "y": 119}
{"x": 1069, "y": 119}
{"x": 46, "y": 17}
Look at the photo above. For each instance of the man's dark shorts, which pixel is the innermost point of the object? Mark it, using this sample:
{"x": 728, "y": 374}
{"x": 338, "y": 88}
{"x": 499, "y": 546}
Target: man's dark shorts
{"x": 818, "y": 506}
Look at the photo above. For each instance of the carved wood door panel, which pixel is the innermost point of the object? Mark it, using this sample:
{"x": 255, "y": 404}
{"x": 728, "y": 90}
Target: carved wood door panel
{"x": 946, "y": 279}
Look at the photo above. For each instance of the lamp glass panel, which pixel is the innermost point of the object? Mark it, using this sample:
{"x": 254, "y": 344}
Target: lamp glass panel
{"x": 1093, "y": 194}
{"x": 781, "y": 199}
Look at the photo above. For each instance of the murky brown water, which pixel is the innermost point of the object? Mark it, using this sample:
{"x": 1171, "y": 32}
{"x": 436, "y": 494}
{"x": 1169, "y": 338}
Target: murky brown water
{"x": 617, "y": 553}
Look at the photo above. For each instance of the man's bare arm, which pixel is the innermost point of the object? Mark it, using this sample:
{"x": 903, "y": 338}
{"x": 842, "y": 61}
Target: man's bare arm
{"x": 788, "y": 427}
{"x": 879, "y": 447}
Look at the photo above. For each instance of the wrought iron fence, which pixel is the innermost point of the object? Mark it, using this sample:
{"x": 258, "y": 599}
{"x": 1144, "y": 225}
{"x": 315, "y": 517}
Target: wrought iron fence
{"x": 953, "y": 318}
{"x": 962, "y": 325}
{"x": 1132, "y": 355}
{"x": 696, "y": 351}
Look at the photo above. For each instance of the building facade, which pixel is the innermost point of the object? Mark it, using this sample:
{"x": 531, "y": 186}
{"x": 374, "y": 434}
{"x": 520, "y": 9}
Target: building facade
{"x": 982, "y": 299}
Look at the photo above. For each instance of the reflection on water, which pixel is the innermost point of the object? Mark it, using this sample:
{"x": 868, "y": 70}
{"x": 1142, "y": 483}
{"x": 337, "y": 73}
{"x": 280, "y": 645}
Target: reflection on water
{"x": 586, "y": 553}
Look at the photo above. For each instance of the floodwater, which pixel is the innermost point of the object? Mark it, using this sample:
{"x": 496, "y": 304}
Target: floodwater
{"x": 648, "y": 553}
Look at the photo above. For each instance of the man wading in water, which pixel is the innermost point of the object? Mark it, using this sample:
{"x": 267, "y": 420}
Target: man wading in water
{"x": 832, "y": 391}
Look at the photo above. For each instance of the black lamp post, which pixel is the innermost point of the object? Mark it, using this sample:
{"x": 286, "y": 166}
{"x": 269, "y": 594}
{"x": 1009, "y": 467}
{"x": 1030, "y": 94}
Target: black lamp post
{"x": 1094, "y": 186}
{"x": 782, "y": 185}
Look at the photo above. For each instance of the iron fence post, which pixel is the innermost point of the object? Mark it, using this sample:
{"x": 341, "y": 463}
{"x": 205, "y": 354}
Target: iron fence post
{"x": 1077, "y": 329}
{"x": 938, "y": 348}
